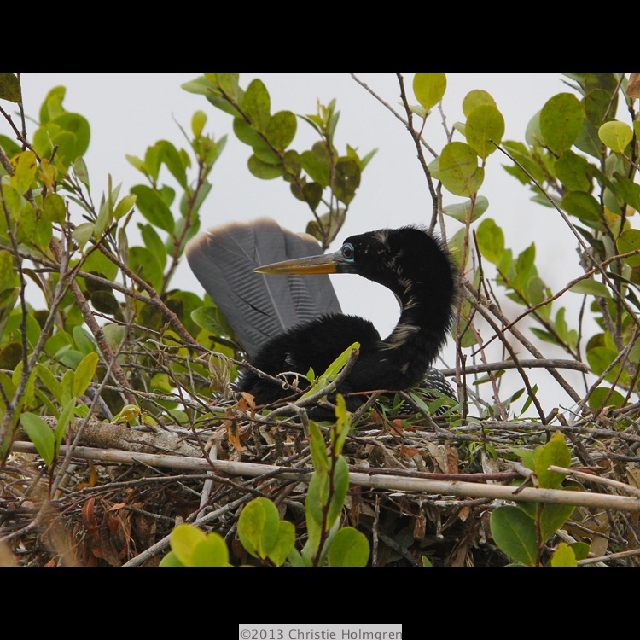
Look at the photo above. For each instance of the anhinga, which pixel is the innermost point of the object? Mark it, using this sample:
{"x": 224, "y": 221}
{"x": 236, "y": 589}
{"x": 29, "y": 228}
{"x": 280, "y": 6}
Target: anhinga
{"x": 294, "y": 324}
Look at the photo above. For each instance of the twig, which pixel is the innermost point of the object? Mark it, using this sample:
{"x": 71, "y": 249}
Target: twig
{"x": 538, "y": 363}
{"x": 589, "y": 477}
{"x": 161, "y": 545}
{"x": 613, "y": 556}
{"x": 371, "y": 481}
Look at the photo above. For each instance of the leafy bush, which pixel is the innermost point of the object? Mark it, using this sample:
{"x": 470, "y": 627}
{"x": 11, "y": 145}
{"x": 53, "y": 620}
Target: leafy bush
{"x": 116, "y": 341}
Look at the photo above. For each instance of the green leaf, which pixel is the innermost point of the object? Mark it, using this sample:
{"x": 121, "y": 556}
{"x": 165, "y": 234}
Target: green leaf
{"x": 347, "y": 179}
{"x": 82, "y": 233}
{"x": 174, "y": 163}
{"x": 629, "y": 240}
{"x": 574, "y": 172}
{"x": 248, "y": 135}
{"x": 561, "y": 121}
{"x": 342, "y": 426}
{"x": 515, "y": 533}
{"x": 315, "y": 501}
{"x": 211, "y": 552}
{"x": 146, "y": 265}
{"x": 627, "y": 191}
{"x": 49, "y": 381}
{"x": 69, "y": 132}
{"x": 589, "y": 286}
{"x": 171, "y": 560}
{"x": 184, "y": 538}
{"x": 341, "y": 486}
{"x": 25, "y": 165}
{"x": 52, "y": 106}
{"x": 349, "y": 548}
{"x": 598, "y": 395}
{"x": 153, "y": 208}
{"x": 202, "y": 85}
{"x": 263, "y": 170}
{"x": 318, "y": 451}
{"x": 490, "y": 240}
{"x": 580, "y": 549}
{"x": 97, "y": 262}
{"x": 460, "y": 211}
{"x": 84, "y": 373}
{"x": 600, "y": 357}
{"x": 296, "y": 559}
{"x": 193, "y": 548}
{"x": 525, "y": 267}
{"x": 8, "y": 276}
{"x": 256, "y": 104}
{"x": 124, "y": 206}
{"x": 564, "y": 556}
{"x": 81, "y": 172}
{"x": 555, "y": 452}
{"x": 40, "y": 434}
{"x": 209, "y": 318}
{"x": 588, "y": 140}
{"x": 458, "y": 169}
{"x": 63, "y": 422}
{"x": 477, "y": 98}
{"x": 54, "y": 208}
{"x": 153, "y": 242}
{"x": 429, "y": 88}
{"x": 317, "y": 164}
{"x": 114, "y": 334}
{"x": 136, "y": 163}
{"x": 10, "y": 147}
{"x": 258, "y": 527}
{"x": 281, "y": 129}
{"x": 616, "y": 135}
{"x": 312, "y": 194}
{"x": 585, "y": 207}
{"x": 10, "y": 87}
{"x": 484, "y": 127}
{"x": 83, "y": 341}
{"x": 37, "y": 230}
{"x": 552, "y": 517}
{"x": 284, "y": 543}
{"x": 332, "y": 370}
{"x": 198, "y": 121}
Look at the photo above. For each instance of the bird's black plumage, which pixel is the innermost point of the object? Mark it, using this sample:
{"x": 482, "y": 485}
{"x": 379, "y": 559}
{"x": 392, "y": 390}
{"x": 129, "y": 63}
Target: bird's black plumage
{"x": 258, "y": 308}
{"x": 408, "y": 261}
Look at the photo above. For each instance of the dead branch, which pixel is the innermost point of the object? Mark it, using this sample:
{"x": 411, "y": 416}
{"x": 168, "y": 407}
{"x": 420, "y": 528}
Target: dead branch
{"x": 370, "y": 481}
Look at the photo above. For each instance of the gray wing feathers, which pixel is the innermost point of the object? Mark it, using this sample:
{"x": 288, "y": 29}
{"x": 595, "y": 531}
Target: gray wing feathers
{"x": 259, "y": 306}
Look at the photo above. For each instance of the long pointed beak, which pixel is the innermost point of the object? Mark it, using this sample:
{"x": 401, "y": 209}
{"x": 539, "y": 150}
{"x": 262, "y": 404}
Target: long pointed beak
{"x": 325, "y": 263}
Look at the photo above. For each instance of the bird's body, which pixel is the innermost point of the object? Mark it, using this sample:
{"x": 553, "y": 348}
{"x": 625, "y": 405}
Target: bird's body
{"x": 409, "y": 261}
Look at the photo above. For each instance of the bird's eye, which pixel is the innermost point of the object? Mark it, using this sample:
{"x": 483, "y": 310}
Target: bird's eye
{"x": 347, "y": 251}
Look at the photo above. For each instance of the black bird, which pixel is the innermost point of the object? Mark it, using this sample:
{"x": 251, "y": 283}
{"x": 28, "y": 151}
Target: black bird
{"x": 294, "y": 324}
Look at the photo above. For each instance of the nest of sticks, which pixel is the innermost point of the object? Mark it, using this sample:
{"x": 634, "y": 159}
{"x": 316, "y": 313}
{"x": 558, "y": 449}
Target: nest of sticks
{"x": 420, "y": 486}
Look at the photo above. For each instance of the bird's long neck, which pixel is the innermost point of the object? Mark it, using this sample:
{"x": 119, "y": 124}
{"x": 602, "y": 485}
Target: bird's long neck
{"x": 424, "y": 322}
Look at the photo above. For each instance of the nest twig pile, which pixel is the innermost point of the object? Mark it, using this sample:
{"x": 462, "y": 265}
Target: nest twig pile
{"x": 419, "y": 487}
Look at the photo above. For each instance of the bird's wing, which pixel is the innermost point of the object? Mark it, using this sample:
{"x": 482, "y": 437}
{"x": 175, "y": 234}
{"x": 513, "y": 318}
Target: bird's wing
{"x": 259, "y": 306}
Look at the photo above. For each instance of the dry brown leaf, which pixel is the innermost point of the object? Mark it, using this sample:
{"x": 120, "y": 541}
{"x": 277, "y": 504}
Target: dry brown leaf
{"x": 452, "y": 458}
{"x": 88, "y": 516}
{"x": 233, "y": 434}
{"x": 633, "y": 87}
{"x": 632, "y": 472}
{"x": 438, "y": 456}
{"x": 419, "y": 527}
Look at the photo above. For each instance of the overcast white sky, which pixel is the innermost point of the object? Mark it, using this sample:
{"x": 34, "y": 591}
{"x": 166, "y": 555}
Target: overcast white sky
{"x": 129, "y": 112}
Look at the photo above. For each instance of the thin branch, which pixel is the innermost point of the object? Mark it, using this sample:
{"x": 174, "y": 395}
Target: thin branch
{"x": 369, "y": 480}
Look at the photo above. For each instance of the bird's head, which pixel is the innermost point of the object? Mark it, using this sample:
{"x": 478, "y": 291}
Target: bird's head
{"x": 396, "y": 258}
